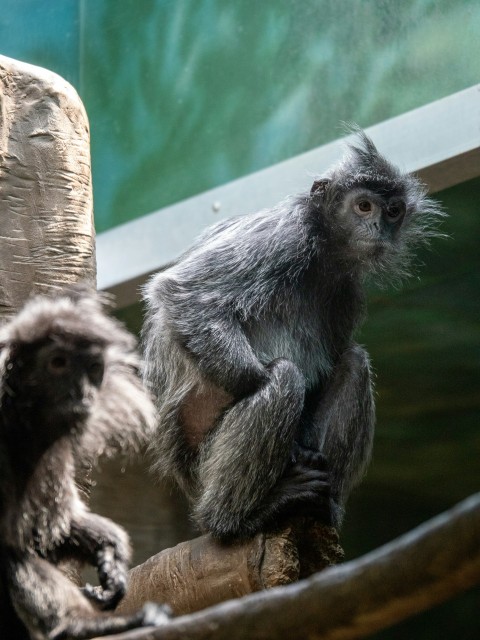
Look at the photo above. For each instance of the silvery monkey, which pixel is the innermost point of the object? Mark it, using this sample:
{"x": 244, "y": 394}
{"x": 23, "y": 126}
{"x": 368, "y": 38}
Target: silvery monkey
{"x": 69, "y": 391}
{"x": 265, "y": 400}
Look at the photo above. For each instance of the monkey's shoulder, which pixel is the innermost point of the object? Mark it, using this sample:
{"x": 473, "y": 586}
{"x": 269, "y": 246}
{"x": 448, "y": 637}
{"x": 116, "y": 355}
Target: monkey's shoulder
{"x": 241, "y": 262}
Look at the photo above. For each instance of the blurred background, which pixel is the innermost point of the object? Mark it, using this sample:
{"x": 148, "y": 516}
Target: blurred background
{"x": 186, "y": 95}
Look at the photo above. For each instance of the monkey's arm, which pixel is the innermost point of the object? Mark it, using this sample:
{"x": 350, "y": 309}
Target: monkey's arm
{"x": 104, "y": 545}
{"x": 209, "y": 331}
{"x": 344, "y": 424}
{"x": 224, "y": 355}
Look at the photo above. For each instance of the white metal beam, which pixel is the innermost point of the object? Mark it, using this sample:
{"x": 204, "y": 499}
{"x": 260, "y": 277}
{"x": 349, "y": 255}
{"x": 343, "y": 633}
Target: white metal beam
{"x": 440, "y": 142}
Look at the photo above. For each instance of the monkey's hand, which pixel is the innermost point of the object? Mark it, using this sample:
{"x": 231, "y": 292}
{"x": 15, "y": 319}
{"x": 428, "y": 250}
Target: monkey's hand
{"x": 154, "y": 615}
{"x": 112, "y": 573}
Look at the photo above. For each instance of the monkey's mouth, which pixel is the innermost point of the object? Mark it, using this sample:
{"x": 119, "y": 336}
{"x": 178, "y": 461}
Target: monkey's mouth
{"x": 372, "y": 246}
{"x": 74, "y": 411}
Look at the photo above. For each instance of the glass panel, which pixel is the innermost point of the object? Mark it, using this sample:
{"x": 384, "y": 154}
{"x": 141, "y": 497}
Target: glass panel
{"x": 183, "y": 96}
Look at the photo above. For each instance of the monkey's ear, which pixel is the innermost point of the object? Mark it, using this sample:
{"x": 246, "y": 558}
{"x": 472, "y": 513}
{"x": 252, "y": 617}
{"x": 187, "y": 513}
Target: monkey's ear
{"x": 319, "y": 187}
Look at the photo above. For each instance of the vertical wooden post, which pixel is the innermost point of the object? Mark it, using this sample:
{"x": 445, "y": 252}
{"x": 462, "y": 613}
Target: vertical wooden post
{"x": 46, "y": 212}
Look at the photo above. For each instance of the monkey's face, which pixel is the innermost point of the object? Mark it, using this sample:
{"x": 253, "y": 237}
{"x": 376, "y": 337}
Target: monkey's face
{"x": 372, "y": 221}
{"x": 58, "y": 380}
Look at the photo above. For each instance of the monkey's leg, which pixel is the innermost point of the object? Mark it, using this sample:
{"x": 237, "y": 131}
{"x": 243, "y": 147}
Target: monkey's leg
{"x": 52, "y": 607}
{"x": 344, "y": 424}
{"x": 247, "y": 478}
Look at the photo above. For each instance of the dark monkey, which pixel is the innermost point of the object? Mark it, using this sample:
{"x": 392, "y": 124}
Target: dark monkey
{"x": 265, "y": 400}
{"x": 69, "y": 391}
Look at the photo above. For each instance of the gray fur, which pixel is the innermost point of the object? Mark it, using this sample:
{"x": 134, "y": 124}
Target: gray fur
{"x": 284, "y": 283}
{"x": 69, "y": 391}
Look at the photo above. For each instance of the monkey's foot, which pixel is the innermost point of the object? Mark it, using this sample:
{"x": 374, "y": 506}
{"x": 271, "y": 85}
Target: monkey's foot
{"x": 154, "y": 615}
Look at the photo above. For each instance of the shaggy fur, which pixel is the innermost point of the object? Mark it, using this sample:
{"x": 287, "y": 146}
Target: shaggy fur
{"x": 265, "y": 401}
{"x": 69, "y": 391}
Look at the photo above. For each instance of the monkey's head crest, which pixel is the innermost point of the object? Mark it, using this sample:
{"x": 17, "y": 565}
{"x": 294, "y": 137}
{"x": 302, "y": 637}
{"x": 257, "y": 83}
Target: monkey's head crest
{"x": 75, "y": 312}
{"x": 363, "y": 165}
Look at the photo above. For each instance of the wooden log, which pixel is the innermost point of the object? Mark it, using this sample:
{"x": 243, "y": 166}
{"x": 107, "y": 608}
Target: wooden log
{"x": 46, "y": 213}
{"x": 201, "y": 572}
{"x": 427, "y": 566}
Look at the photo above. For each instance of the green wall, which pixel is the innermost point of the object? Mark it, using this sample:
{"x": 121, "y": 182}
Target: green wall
{"x": 424, "y": 340}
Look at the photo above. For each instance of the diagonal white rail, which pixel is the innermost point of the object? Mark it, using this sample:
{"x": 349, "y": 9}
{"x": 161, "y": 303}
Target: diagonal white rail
{"x": 439, "y": 141}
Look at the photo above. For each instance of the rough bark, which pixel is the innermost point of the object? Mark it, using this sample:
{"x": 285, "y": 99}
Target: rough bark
{"x": 430, "y": 564}
{"x": 199, "y": 573}
{"x": 46, "y": 221}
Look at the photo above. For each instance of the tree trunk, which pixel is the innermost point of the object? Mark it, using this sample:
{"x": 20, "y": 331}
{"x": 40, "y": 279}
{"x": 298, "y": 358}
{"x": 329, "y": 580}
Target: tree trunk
{"x": 46, "y": 220}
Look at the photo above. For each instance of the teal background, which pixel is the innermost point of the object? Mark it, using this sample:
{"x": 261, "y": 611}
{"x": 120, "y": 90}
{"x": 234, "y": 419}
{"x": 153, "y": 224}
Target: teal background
{"x": 43, "y": 32}
{"x": 185, "y": 95}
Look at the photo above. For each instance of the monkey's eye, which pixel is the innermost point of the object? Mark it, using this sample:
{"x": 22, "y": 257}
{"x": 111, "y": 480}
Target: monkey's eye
{"x": 58, "y": 364}
{"x": 96, "y": 368}
{"x": 394, "y": 212}
{"x": 364, "y": 207}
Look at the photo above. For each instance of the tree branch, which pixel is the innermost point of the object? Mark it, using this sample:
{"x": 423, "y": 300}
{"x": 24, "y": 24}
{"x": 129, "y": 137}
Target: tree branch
{"x": 201, "y": 572}
{"x": 425, "y": 567}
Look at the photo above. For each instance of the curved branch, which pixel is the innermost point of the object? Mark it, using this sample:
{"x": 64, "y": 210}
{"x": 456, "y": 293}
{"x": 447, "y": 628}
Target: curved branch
{"x": 425, "y": 567}
{"x": 201, "y": 572}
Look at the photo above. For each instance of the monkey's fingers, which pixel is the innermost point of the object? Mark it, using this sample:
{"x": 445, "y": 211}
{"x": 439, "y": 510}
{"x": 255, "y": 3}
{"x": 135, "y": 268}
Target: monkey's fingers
{"x": 300, "y": 475}
{"x": 312, "y": 491}
{"x": 309, "y": 457}
{"x": 105, "y": 599}
{"x": 111, "y": 598}
{"x": 313, "y": 459}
